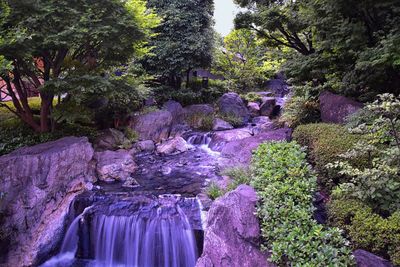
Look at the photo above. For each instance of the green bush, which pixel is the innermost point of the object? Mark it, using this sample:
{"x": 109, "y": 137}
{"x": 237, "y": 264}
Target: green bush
{"x": 325, "y": 143}
{"x": 231, "y": 119}
{"x": 213, "y": 191}
{"x": 285, "y": 185}
{"x": 192, "y": 95}
{"x": 200, "y": 121}
{"x": 366, "y": 229}
{"x": 376, "y": 183}
{"x": 239, "y": 175}
{"x": 251, "y": 97}
{"x": 300, "y": 110}
{"x": 15, "y": 134}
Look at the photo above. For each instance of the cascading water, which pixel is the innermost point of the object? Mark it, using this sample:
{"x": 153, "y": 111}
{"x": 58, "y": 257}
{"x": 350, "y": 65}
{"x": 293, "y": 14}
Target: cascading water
{"x": 157, "y": 233}
{"x": 202, "y": 140}
{"x": 162, "y": 240}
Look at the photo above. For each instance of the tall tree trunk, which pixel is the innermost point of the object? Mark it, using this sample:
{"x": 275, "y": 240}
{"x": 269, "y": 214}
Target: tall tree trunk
{"x": 45, "y": 112}
{"x": 188, "y": 77}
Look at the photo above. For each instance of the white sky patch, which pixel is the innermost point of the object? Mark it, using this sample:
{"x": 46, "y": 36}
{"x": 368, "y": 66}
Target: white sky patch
{"x": 224, "y": 14}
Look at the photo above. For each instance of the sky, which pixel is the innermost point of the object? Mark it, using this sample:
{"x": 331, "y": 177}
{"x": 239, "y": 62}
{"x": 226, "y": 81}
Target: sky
{"x": 225, "y": 11}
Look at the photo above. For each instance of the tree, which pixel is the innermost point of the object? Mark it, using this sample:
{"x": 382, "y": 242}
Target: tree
{"x": 240, "y": 59}
{"x": 184, "y": 39}
{"x": 49, "y": 43}
{"x": 283, "y": 23}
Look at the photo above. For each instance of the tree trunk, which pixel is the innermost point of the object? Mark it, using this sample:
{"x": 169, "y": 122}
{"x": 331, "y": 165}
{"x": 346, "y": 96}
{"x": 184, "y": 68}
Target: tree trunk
{"x": 45, "y": 111}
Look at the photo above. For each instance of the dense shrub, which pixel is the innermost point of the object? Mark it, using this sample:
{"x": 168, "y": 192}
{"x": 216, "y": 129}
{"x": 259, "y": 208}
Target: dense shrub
{"x": 192, "y": 95}
{"x": 366, "y": 229}
{"x": 286, "y": 184}
{"x": 16, "y": 135}
{"x": 376, "y": 183}
{"x": 200, "y": 121}
{"x": 325, "y": 143}
{"x": 300, "y": 110}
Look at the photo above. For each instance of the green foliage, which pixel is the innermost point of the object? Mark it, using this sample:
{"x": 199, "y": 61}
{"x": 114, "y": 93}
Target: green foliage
{"x": 232, "y": 119}
{"x": 251, "y": 97}
{"x": 285, "y": 185}
{"x": 54, "y": 45}
{"x": 378, "y": 182}
{"x": 300, "y": 110}
{"x": 325, "y": 143}
{"x": 240, "y": 60}
{"x": 192, "y": 95}
{"x": 15, "y": 135}
{"x": 214, "y": 191}
{"x": 183, "y": 40}
{"x": 200, "y": 121}
{"x": 239, "y": 175}
{"x": 347, "y": 46}
{"x": 367, "y": 229}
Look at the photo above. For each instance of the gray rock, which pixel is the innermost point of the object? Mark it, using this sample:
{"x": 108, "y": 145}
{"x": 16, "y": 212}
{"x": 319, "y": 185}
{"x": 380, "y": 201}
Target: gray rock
{"x": 254, "y": 109}
{"x": 114, "y": 165}
{"x": 195, "y": 114}
{"x": 239, "y": 152}
{"x": 145, "y": 146}
{"x": 232, "y": 236}
{"x": 261, "y": 120}
{"x": 221, "y": 125}
{"x": 336, "y": 108}
{"x": 176, "y": 111}
{"x": 366, "y": 259}
{"x": 219, "y": 139}
{"x": 40, "y": 183}
{"x": 267, "y": 107}
{"x": 110, "y": 139}
{"x": 173, "y": 146}
{"x": 230, "y": 104}
{"x": 154, "y": 126}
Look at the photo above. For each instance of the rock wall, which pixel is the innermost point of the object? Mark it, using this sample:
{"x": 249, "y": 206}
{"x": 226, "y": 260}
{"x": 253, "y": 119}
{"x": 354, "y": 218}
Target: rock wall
{"x": 39, "y": 183}
{"x": 232, "y": 235}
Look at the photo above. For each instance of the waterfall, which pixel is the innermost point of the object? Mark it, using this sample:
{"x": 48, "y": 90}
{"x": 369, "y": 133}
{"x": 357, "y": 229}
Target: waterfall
{"x": 156, "y": 234}
{"x": 202, "y": 140}
{"x": 162, "y": 239}
{"x": 69, "y": 245}
{"x": 199, "y": 139}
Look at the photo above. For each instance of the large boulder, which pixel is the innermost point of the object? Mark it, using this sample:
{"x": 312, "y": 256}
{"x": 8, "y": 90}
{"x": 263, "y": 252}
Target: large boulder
{"x": 221, "y": 125}
{"x": 195, "y": 114}
{"x": 114, "y": 165}
{"x": 268, "y": 106}
{"x": 336, "y": 108}
{"x": 232, "y": 234}
{"x": 144, "y": 146}
{"x": 254, "y": 109}
{"x": 230, "y": 104}
{"x": 239, "y": 152}
{"x": 154, "y": 126}
{"x": 219, "y": 139}
{"x": 173, "y": 146}
{"x": 110, "y": 139}
{"x": 40, "y": 183}
{"x": 366, "y": 259}
{"x": 176, "y": 111}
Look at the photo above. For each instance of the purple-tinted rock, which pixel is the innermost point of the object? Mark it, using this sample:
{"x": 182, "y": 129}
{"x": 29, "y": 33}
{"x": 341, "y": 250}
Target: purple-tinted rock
{"x": 232, "y": 234}
{"x": 176, "y": 111}
{"x": 366, "y": 259}
{"x": 239, "y": 152}
{"x": 336, "y": 108}
{"x": 219, "y": 139}
{"x": 254, "y": 109}
{"x": 173, "y": 146}
{"x": 221, "y": 125}
{"x": 195, "y": 114}
{"x": 40, "y": 183}
{"x": 110, "y": 139}
{"x": 230, "y": 104}
{"x": 154, "y": 126}
{"x": 267, "y": 107}
{"x": 114, "y": 165}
